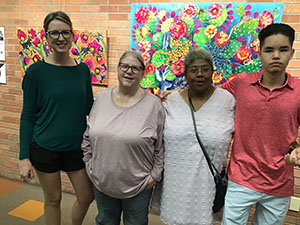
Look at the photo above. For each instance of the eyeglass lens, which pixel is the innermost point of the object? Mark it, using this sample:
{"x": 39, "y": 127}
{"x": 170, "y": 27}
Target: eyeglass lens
{"x": 55, "y": 34}
{"x": 125, "y": 67}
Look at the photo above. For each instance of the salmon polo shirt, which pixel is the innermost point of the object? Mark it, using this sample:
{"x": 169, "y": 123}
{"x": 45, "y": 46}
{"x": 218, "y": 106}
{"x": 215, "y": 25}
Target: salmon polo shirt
{"x": 266, "y": 124}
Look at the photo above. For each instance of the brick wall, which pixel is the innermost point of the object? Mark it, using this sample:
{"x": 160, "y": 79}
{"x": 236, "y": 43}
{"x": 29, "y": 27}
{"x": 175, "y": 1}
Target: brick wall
{"x": 111, "y": 15}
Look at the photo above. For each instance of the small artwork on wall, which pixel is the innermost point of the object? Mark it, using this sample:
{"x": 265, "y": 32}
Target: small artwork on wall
{"x": 2, "y": 73}
{"x": 165, "y": 32}
{"x": 89, "y": 47}
{"x": 2, "y": 44}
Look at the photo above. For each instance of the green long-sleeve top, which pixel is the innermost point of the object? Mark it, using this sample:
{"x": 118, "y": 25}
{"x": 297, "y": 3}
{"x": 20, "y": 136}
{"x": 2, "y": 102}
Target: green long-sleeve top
{"x": 56, "y": 101}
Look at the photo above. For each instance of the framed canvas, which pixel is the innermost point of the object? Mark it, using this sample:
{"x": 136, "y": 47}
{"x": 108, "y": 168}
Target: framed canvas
{"x": 2, "y": 44}
{"x": 2, "y": 73}
{"x": 165, "y": 32}
{"x": 89, "y": 47}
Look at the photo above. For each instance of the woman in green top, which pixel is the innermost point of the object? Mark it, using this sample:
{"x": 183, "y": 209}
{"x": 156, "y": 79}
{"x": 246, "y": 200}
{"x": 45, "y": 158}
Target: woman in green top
{"x": 57, "y": 97}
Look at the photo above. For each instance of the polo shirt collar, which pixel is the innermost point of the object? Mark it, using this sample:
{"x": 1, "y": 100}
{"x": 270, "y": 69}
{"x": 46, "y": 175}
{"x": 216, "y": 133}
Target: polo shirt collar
{"x": 256, "y": 79}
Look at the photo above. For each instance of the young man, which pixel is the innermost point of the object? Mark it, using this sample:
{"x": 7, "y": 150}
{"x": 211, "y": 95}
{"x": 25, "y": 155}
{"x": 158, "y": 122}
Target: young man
{"x": 266, "y": 124}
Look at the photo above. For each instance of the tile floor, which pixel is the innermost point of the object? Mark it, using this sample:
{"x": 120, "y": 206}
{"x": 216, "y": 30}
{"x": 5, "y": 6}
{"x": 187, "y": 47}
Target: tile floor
{"x": 22, "y": 204}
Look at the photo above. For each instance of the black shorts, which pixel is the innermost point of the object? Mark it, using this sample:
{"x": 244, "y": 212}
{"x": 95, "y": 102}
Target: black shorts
{"x": 52, "y": 161}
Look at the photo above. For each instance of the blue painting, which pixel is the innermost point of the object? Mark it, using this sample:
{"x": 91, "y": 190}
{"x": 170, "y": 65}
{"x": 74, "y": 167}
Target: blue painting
{"x": 165, "y": 32}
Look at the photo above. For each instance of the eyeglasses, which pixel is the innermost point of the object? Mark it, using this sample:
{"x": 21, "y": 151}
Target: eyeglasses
{"x": 125, "y": 67}
{"x": 196, "y": 70}
{"x": 55, "y": 34}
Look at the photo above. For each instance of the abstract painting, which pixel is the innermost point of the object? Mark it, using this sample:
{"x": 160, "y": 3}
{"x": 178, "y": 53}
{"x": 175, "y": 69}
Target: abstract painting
{"x": 165, "y": 33}
{"x": 2, "y": 73}
{"x": 89, "y": 47}
{"x": 2, "y": 44}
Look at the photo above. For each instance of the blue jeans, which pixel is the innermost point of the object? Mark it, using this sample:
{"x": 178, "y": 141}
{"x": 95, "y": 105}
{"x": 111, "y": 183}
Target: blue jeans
{"x": 270, "y": 209}
{"x": 135, "y": 209}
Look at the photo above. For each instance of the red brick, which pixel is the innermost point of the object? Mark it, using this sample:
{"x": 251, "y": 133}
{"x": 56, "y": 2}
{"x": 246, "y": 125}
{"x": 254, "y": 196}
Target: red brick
{"x": 71, "y": 8}
{"x": 290, "y": 18}
{"x": 293, "y": 8}
{"x": 118, "y": 16}
{"x": 7, "y": 96}
{"x": 108, "y": 8}
{"x": 98, "y": 16}
{"x": 36, "y": 2}
{"x": 118, "y": 2}
{"x": 124, "y": 8}
{"x": 85, "y": 8}
{"x": 99, "y": 2}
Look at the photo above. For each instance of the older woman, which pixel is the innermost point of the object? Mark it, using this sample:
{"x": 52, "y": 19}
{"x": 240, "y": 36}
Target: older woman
{"x": 123, "y": 146}
{"x": 189, "y": 188}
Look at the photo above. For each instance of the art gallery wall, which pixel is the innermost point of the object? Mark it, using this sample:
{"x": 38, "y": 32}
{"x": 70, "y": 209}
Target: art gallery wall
{"x": 110, "y": 15}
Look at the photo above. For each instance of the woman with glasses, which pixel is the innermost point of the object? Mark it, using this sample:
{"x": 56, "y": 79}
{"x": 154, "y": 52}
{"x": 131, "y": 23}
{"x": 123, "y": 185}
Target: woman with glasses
{"x": 57, "y": 97}
{"x": 188, "y": 186}
{"x": 123, "y": 147}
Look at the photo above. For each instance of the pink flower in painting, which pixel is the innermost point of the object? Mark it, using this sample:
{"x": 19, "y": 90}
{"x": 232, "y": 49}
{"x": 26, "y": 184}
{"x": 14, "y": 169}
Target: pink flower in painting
{"x": 189, "y": 10}
{"x": 242, "y": 54}
{"x": 21, "y": 35}
{"x": 210, "y": 31}
{"x": 84, "y": 38}
{"x": 94, "y": 79}
{"x": 221, "y": 38}
{"x": 178, "y": 29}
{"x": 215, "y": 11}
{"x": 37, "y": 42}
{"x": 178, "y": 67}
{"x": 26, "y": 60}
{"x": 31, "y": 33}
{"x": 94, "y": 47}
{"x": 142, "y": 15}
{"x": 99, "y": 60}
{"x": 90, "y": 63}
{"x": 265, "y": 19}
{"x": 144, "y": 45}
{"x": 36, "y": 58}
{"x": 255, "y": 45}
{"x": 74, "y": 51}
{"x": 150, "y": 68}
{"x": 42, "y": 35}
{"x": 76, "y": 36}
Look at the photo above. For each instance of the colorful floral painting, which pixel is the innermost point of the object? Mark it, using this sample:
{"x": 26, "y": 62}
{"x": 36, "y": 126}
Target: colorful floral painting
{"x": 165, "y": 33}
{"x": 88, "y": 46}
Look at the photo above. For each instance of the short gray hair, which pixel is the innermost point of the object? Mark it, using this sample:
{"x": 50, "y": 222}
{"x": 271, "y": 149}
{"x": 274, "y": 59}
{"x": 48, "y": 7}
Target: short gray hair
{"x": 197, "y": 54}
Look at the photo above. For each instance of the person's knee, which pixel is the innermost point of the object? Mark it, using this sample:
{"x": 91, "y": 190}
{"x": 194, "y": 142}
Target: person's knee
{"x": 86, "y": 199}
{"x": 53, "y": 200}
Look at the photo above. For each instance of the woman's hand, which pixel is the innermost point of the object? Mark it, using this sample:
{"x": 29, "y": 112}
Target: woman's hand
{"x": 26, "y": 170}
{"x": 151, "y": 182}
{"x": 294, "y": 157}
{"x": 164, "y": 94}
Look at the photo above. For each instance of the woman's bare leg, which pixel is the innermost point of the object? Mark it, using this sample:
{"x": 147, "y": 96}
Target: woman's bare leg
{"x": 84, "y": 195}
{"x": 51, "y": 185}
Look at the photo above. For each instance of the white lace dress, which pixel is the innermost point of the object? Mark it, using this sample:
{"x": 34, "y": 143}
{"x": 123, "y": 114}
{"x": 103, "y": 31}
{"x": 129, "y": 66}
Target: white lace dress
{"x": 188, "y": 187}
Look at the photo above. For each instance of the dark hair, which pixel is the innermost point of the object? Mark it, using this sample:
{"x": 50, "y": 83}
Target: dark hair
{"x": 197, "y": 54}
{"x": 276, "y": 28}
{"x": 59, "y": 15}
{"x": 136, "y": 55}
